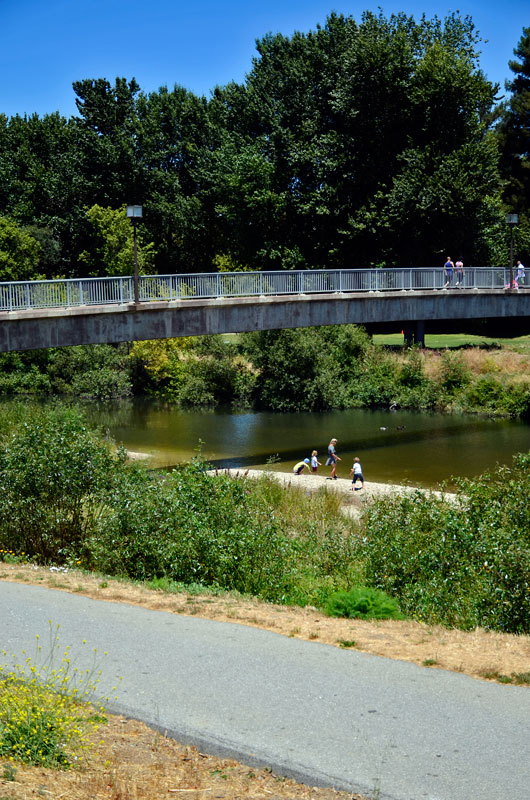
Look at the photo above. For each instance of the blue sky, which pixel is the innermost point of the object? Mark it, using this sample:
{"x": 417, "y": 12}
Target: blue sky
{"x": 44, "y": 46}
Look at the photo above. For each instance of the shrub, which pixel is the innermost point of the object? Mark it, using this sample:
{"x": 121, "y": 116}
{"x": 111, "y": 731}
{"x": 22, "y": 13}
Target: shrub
{"x": 463, "y": 564}
{"x": 485, "y": 393}
{"x": 363, "y": 602}
{"x": 52, "y": 469}
{"x": 194, "y": 528}
{"x": 454, "y": 374}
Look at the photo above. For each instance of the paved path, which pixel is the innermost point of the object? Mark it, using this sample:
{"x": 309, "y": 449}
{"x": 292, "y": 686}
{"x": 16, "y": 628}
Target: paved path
{"x": 315, "y": 712}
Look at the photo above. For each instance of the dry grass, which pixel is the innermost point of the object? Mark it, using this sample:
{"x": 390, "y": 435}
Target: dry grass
{"x": 474, "y": 653}
{"x": 505, "y": 364}
{"x": 132, "y": 762}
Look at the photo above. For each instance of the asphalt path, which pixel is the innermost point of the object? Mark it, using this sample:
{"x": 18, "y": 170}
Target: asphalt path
{"x": 310, "y": 711}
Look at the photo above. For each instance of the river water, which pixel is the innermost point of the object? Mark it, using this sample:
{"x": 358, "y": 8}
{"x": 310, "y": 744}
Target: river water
{"x": 394, "y": 447}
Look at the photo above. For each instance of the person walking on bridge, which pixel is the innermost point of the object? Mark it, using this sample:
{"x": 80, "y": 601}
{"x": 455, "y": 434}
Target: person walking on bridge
{"x": 519, "y": 278}
{"x": 448, "y": 272}
{"x": 459, "y": 272}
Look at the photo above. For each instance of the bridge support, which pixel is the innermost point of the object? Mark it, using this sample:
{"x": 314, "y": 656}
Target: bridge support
{"x": 414, "y": 333}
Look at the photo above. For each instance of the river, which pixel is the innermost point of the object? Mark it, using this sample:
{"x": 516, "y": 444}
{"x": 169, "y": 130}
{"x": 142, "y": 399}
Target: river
{"x": 394, "y": 447}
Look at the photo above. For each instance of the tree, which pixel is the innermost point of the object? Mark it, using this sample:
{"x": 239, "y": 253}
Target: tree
{"x": 514, "y": 136}
{"x": 19, "y": 253}
{"x": 112, "y": 244}
{"x": 377, "y": 136}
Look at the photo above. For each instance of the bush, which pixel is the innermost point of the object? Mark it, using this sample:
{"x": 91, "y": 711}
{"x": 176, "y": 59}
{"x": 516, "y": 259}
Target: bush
{"x": 52, "y": 470}
{"x": 486, "y": 393}
{"x": 463, "y": 564}
{"x": 454, "y": 374}
{"x": 362, "y": 602}
{"x": 194, "y": 528}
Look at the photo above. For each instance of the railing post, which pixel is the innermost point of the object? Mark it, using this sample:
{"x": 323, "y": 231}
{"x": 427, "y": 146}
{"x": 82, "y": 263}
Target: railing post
{"x": 68, "y": 293}
{"x": 217, "y": 285}
{"x": 10, "y": 298}
{"x": 80, "y": 293}
{"x": 28, "y": 304}
{"x": 121, "y": 291}
{"x": 261, "y": 283}
{"x": 340, "y": 280}
{"x": 300, "y": 282}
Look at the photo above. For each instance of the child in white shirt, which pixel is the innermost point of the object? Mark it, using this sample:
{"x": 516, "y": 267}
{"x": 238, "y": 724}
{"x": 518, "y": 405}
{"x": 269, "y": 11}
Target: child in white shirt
{"x": 315, "y": 463}
{"x": 357, "y": 472}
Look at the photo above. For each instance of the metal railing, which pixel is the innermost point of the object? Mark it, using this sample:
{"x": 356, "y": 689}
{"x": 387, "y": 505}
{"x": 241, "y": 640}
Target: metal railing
{"x": 16, "y": 296}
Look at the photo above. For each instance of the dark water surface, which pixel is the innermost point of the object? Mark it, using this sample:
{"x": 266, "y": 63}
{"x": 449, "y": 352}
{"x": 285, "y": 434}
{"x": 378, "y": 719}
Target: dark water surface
{"x": 394, "y": 447}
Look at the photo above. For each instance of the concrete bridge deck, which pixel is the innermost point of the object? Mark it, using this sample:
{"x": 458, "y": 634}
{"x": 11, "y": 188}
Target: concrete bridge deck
{"x": 493, "y": 312}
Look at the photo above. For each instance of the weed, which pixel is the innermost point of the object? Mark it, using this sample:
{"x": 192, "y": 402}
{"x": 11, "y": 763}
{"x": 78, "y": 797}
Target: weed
{"x": 363, "y": 602}
{"x": 45, "y": 710}
{"x": 429, "y": 662}
{"x": 521, "y": 678}
{"x": 346, "y": 643}
{"x": 103, "y": 585}
{"x": 9, "y": 772}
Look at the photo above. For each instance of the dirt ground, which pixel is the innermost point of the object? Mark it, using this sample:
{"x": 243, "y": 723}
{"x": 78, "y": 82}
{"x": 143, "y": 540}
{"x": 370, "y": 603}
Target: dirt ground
{"x": 130, "y": 761}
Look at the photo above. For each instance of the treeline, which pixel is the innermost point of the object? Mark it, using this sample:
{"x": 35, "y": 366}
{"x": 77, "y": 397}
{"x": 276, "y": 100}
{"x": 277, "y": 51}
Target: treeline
{"x": 313, "y": 369}
{"x": 360, "y": 143}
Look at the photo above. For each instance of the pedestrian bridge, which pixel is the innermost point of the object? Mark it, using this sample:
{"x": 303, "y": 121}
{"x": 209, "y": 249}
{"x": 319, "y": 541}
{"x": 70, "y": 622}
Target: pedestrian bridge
{"x": 41, "y": 314}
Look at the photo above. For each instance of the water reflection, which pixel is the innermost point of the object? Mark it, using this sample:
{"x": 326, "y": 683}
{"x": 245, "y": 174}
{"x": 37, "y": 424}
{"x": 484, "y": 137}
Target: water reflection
{"x": 395, "y": 447}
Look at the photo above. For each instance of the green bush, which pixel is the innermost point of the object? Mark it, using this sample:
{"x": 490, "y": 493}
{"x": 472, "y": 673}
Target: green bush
{"x": 454, "y": 374}
{"x": 52, "y": 470}
{"x": 461, "y": 564}
{"x": 194, "y": 528}
{"x": 486, "y": 393}
{"x": 363, "y": 602}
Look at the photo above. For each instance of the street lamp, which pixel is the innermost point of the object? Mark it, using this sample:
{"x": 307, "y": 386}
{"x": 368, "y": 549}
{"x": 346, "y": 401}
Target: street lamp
{"x": 511, "y": 220}
{"x": 135, "y": 213}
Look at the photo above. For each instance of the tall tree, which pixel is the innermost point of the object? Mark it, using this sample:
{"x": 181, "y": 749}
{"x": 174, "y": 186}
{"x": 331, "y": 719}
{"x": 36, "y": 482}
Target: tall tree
{"x": 514, "y": 136}
{"x": 377, "y": 135}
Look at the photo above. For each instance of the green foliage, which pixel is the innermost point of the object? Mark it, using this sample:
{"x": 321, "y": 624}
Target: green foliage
{"x": 193, "y": 527}
{"x": 485, "y": 393}
{"x": 68, "y": 498}
{"x": 197, "y": 371}
{"x": 112, "y": 247}
{"x": 454, "y": 374}
{"x": 101, "y": 372}
{"x": 363, "y": 602}
{"x": 19, "y": 252}
{"x": 463, "y": 564}
{"x": 306, "y": 369}
{"x": 284, "y": 170}
{"x": 52, "y": 469}
{"x": 514, "y": 138}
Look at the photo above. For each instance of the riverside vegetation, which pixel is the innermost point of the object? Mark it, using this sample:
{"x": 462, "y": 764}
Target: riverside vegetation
{"x": 290, "y": 370}
{"x": 70, "y": 498}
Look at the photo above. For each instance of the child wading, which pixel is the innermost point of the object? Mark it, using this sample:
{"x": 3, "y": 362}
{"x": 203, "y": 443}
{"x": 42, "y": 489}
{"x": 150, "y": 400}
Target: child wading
{"x": 357, "y": 472}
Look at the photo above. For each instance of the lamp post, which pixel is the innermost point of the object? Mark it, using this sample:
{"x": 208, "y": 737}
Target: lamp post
{"x": 511, "y": 220}
{"x": 135, "y": 213}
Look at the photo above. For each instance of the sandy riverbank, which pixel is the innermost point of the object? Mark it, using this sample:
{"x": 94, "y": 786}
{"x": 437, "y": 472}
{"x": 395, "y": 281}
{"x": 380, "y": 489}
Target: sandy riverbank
{"x": 352, "y": 500}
